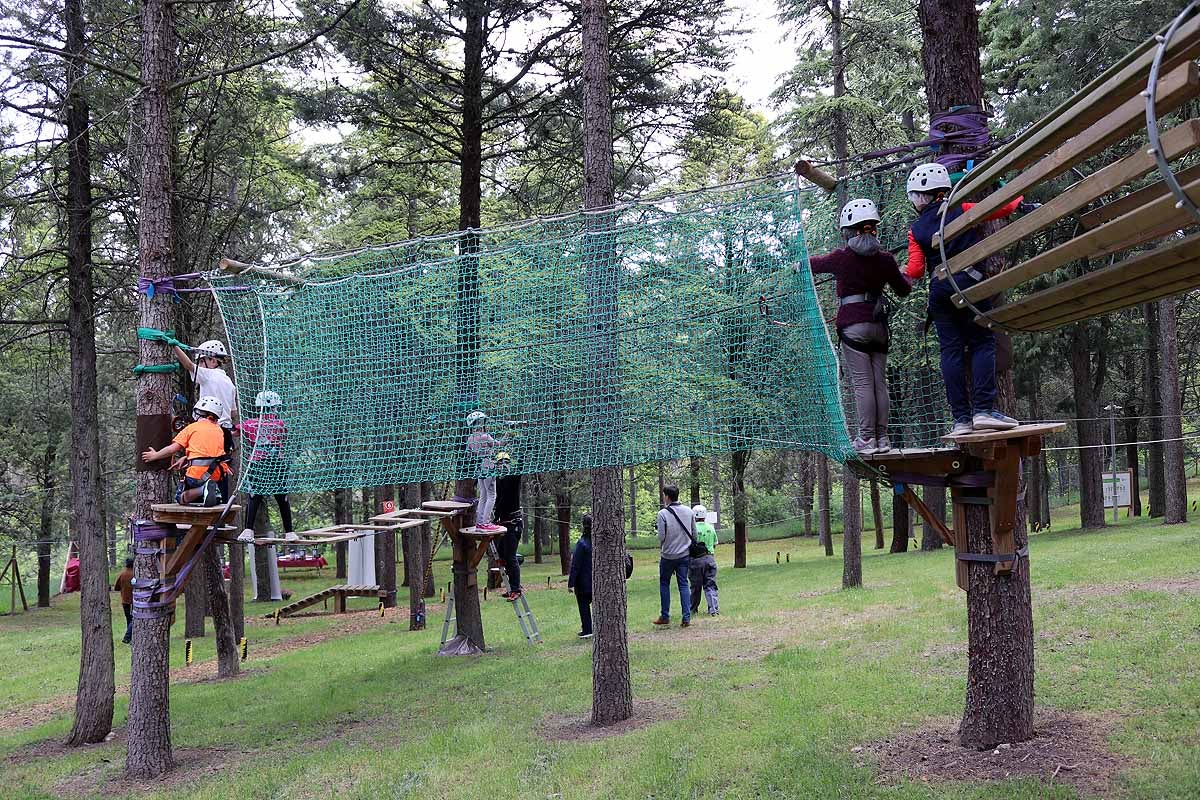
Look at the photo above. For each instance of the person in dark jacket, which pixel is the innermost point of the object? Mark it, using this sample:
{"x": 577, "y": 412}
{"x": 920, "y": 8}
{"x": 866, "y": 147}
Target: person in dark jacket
{"x": 863, "y": 270}
{"x": 507, "y": 512}
{"x": 124, "y": 585}
{"x": 580, "y": 579}
{"x": 961, "y": 340}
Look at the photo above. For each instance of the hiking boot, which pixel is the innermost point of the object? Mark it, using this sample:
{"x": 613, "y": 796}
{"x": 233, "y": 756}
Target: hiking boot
{"x": 246, "y": 536}
{"x": 865, "y": 447}
{"x": 882, "y": 445}
{"x": 993, "y": 421}
{"x": 687, "y": 623}
{"x": 661, "y": 621}
{"x": 961, "y": 429}
{"x": 513, "y": 596}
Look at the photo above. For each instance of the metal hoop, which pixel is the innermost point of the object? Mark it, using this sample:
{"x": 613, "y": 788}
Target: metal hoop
{"x": 1164, "y": 169}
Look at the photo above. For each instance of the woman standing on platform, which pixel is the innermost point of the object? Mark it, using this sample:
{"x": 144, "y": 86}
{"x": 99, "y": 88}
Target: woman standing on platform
{"x": 863, "y": 270}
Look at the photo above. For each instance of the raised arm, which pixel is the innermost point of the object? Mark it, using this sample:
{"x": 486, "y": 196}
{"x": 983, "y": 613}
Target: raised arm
{"x": 184, "y": 361}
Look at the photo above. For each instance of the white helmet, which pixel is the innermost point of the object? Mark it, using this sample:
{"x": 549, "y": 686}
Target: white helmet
{"x": 700, "y": 512}
{"x": 212, "y": 348}
{"x": 857, "y": 212}
{"x": 475, "y": 419}
{"x": 928, "y": 177}
{"x": 268, "y": 399}
{"x": 211, "y": 405}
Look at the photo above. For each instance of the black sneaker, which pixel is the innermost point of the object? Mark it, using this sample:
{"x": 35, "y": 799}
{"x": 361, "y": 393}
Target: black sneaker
{"x": 582, "y": 635}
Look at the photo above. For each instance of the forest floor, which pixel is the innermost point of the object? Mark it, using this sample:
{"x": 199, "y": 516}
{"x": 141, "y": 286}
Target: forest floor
{"x": 797, "y": 690}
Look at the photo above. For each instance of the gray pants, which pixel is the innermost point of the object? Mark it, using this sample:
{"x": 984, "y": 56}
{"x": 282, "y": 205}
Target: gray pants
{"x": 868, "y": 380}
{"x": 702, "y": 572}
{"x": 486, "y": 488}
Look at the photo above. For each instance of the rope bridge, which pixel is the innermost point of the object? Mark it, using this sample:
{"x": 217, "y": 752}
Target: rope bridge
{"x": 381, "y": 353}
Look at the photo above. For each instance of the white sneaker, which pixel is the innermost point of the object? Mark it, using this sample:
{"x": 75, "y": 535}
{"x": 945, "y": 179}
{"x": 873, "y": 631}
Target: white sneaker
{"x": 291, "y": 537}
{"x": 246, "y": 536}
{"x": 865, "y": 447}
{"x": 882, "y": 445}
{"x": 961, "y": 429}
{"x": 993, "y": 421}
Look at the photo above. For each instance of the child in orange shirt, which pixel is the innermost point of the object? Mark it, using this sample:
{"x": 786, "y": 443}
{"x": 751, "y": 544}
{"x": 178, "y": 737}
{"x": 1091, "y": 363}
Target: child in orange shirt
{"x": 203, "y": 444}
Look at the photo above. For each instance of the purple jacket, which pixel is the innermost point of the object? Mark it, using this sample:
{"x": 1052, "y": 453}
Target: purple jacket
{"x": 857, "y": 274}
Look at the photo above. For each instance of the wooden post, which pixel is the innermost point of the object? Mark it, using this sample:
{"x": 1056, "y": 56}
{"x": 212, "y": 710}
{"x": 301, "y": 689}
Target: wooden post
{"x": 877, "y": 514}
{"x": 899, "y": 522}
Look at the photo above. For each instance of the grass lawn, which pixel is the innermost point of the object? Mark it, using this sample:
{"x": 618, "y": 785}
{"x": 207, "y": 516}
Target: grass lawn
{"x": 772, "y": 699}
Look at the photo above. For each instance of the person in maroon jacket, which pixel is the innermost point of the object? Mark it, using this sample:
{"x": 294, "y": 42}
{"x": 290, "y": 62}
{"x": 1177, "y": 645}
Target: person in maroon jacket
{"x": 863, "y": 270}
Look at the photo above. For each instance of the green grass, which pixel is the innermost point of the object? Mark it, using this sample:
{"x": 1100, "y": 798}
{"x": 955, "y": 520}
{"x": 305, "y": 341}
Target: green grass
{"x": 771, "y": 696}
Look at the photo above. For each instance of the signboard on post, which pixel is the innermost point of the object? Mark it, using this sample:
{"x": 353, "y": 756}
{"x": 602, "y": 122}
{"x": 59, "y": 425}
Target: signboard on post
{"x": 1117, "y": 487}
{"x": 389, "y": 506}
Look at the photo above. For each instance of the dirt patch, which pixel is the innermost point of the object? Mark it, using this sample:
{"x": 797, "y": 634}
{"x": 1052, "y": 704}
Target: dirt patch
{"x": 1185, "y": 584}
{"x": 558, "y": 728}
{"x": 1067, "y": 747}
{"x": 108, "y": 778}
{"x": 15, "y": 719}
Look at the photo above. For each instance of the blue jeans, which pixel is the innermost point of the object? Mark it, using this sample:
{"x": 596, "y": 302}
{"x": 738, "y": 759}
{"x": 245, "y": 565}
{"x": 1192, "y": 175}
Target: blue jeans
{"x": 962, "y": 342}
{"x": 679, "y": 568}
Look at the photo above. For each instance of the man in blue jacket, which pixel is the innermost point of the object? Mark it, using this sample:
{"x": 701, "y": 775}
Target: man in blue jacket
{"x": 579, "y": 580}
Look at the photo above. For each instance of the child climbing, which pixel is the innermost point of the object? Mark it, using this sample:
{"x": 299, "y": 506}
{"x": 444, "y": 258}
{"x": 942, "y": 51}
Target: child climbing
{"x": 579, "y": 580}
{"x": 203, "y": 446}
{"x": 212, "y": 381}
{"x": 862, "y": 270}
{"x": 703, "y": 569}
{"x": 266, "y": 434}
{"x": 962, "y": 342}
{"x": 484, "y": 446}
{"x": 508, "y": 513}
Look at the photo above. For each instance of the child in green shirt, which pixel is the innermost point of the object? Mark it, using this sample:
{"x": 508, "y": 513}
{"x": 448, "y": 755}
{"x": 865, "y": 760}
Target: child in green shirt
{"x": 703, "y": 569}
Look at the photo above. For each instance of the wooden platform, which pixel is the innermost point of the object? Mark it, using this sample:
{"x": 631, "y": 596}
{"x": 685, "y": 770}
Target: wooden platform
{"x": 339, "y": 594}
{"x": 1019, "y": 432}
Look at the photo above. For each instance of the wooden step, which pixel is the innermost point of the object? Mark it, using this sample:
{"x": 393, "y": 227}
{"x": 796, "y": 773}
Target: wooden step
{"x": 1019, "y": 432}
{"x": 1129, "y": 202}
{"x": 446, "y": 505}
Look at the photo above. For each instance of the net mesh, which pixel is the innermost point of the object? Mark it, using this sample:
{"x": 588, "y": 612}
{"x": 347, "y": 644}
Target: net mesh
{"x": 653, "y": 331}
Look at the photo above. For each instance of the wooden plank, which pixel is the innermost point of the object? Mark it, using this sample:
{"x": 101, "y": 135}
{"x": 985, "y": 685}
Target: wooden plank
{"x": 1102, "y": 286}
{"x": 429, "y": 512}
{"x": 1098, "y": 98}
{"x": 899, "y": 454}
{"x": 961, "y": 575}
{"x": 1176, "y": 142}
{"x": 1110, "y": 211}
{"x": 1007, "y": 466}
{"x": 1156, "y": 291}
{"x": 923, "y": 511}
{"x": 806, "y": 169}
{"x": 401, "y": 523}
{"x": 1176, "y": 88}
{"x": 446, "y": 505}
{"x": 1019, "y": 432}
{"x": 240, "y": 268}
{"x": 176, "y": 513}
{"x": 1140, "y": 225}
{"x": 185, "y": 549}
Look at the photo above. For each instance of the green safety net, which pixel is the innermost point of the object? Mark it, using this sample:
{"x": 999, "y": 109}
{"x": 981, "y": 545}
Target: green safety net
{"x": 687, "y": 325}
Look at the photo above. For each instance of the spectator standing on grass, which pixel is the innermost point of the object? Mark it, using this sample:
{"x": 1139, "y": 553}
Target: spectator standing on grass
{"x": 124, "y": 585}
{"x": 579, "y": 580}
{"x": 676, "y": 533}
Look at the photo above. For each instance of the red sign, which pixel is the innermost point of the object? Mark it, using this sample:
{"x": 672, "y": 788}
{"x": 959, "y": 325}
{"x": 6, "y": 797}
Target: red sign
{"x": 389, "y": 506}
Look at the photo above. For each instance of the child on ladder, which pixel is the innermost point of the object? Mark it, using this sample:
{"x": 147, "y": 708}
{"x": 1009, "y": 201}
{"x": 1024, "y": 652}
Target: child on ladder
{"x": 203, "y": 445}
{"x": 484, "y": 446}
{"x": 961, "y": 340}
{"x": 863, "y": 270}
{"x": 266, "y": 434}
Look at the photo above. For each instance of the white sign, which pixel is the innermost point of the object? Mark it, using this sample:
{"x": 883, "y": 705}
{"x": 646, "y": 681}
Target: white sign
{"x": 1118, "y": 483}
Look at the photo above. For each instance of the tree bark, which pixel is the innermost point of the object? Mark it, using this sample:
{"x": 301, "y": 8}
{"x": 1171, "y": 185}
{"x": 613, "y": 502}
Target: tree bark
{"x": 1156, "y": 476}
{"x": 562, "y": 502}
{"x": 694, "y": 480}
{"x": 739, "y": 459}
{"x": 807, "y": 490}
{"x": 716, "y": 488}
{"x": 46, "y": 522}
{"x": 427, "y": 543}
{"x": 877, "y": 514}
{"x": 237, "y": 588}
{"x": 415, "y": 558}
{"x": 385, "y": 547}
{"x": 1175, "y": 507}
{"x": 823, "y": 495}
{"x": 1086, "y": 383}
{"x": 950, "y": 53}
{"x": 96, "y": 687}
{"x": 612, "y": 693}
{"x": 633, "y": 502}
{"x": 343, "y": 514}
{"x": 851, "y": 531}
{"x": 900, "y": 524}
{"x": 228, "y": 663}
{"x": 262, "y": 558}
{"x": 195, "y": 602}
{"x": 999, "y": 702}
{"x": 1132, "y": 428}
{"x": 149, "y": 754}
{"x": 934, "y": 498}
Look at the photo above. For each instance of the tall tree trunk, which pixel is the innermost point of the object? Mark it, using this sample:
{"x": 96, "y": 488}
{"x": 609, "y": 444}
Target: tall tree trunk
{"x": 237, "y": 588}
{"x": 562, "y": 503}
{"x": 1132, "y": 428}
{"x": 343, "y": 514}
{"x": 934, "y": 498}
{"x": 228, "y": 664}
{"x": 149, "y": 753}
{"x": 851, "y": 531}
{"x": 1086, "y": 382}
{"x": 823, "y": 500}
{"x": 262, "y": 557}
{"x": 807, "y": 490}
{"x": 694, "y": 480}
{"x": 195, "y": 602}
{"x": 1156, "y": 476}
{"x": 539, "y": 527}
{"x": 950, "y": 53}
{"x": 877, "y": 514}
{"x": 45, "y": 538}
{"x": 612, "y": 692}
{"x": 94, "y": 695}
{"x": 633, "y": 501}
{"x": 385, "y": 547}
{"x": 900, "y": 524}
{"x": 1175, "y": 508}
{"x": 739, "y": 459}
{"x": 427, "y": 543}
{"x": 716, "y": 488}
{"x": 415, "y": 558}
